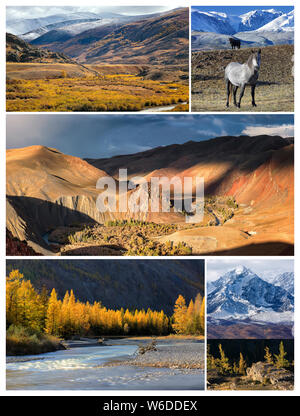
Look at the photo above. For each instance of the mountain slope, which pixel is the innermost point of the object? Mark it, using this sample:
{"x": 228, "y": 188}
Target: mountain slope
{"x": 281, "y": 24}
{"x": 286, "y": 281}
{"x": 255, "y": 19}
{"x": 47, "y": 189}
{"x": 241, "y": 294}
{"x": 18, "y": 50}
{"x": 128, "y": 283}
{"x": 162, "y": 39}
{"x": 19, "y": 26}
{"x": 223, "y": 23}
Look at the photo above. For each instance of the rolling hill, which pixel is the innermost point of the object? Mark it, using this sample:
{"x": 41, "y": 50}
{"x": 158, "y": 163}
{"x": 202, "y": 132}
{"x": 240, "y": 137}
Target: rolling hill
{"x": 47, "y": 189}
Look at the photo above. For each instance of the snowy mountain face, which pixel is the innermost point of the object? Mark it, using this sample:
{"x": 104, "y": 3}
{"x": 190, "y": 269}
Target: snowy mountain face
{"x": 20, "y": 26}
{"x": 283, "y": 23}
{"x": 222, "y": 23}
{"x": 241, "y": 294}
{"x": 70, "y": 26}
{"x": 257, "y": 18}
{"x": 286, "y": 281}
{"x": 212, "y": 22}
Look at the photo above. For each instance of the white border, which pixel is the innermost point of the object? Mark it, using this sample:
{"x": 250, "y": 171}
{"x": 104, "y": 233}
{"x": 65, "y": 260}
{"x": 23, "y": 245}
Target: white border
{"x": 107, "y": 393}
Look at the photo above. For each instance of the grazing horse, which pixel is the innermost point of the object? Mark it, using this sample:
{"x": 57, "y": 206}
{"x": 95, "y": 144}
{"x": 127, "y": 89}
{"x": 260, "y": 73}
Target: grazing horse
{"x": 235, "y": 43}
{"x": 239, "y": 75}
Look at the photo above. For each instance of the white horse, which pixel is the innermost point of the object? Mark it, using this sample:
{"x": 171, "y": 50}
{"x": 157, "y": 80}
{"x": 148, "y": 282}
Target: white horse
{"x": 239, "y": 75}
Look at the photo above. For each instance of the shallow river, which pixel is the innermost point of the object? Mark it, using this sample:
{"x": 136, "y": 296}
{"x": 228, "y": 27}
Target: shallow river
{"x": 80, "y": 369}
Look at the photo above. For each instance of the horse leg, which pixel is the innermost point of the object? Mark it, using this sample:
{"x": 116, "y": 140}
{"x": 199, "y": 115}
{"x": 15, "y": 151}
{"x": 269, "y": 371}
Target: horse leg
{"x": 241, "y": 95}
{"x": 234, "y": 95}
{"x": 253, "y": 95}
{"x": 228, "y": 92}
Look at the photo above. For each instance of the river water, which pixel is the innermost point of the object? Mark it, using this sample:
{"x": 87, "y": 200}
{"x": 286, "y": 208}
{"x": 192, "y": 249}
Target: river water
{"x": 81, "y": 369}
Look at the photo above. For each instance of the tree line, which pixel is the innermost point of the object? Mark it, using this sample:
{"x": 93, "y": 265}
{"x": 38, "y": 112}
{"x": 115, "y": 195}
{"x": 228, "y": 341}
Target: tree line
{"x": 26, "y": 307}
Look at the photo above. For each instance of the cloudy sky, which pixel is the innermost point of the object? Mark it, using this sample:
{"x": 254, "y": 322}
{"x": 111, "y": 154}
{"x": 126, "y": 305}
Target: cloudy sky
{"x": 31, "y": 12}
{"x": 238, "y": 10}
{"x": 102, "y": 135}
{"x": 264, "y": 268}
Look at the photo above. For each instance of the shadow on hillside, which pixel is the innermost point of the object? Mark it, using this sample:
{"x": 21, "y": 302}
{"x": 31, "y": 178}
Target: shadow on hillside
{"x": 243, "y": 153}
{"x": 274, "y": 248}
{"x": 41, "y": 216}
{"x": 100, "y": 250}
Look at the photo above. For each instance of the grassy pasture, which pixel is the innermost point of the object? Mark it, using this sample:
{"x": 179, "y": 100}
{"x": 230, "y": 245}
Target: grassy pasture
{"x": 274, "y": 91}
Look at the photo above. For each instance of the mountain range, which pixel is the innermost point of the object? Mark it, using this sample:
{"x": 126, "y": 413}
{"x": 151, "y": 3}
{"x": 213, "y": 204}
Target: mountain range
{"x": 160, "y": 38}
{"x": 261, "y": 20}
{"x": 241, "y": 297}
{"x": 256, "y": 28}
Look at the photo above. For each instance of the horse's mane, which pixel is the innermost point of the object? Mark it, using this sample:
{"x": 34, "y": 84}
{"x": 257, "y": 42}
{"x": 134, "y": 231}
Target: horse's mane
{"x": 250, "y": 59}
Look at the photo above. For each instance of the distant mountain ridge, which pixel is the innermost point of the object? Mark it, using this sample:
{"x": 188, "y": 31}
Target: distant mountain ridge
{"x": 223, "y": 23}
{"x": 241, "y": 294}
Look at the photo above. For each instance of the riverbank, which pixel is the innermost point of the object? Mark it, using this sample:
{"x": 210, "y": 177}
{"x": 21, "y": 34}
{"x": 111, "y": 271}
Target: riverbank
{"x": 23, "y": 341}
{"x": 169, "y": 353}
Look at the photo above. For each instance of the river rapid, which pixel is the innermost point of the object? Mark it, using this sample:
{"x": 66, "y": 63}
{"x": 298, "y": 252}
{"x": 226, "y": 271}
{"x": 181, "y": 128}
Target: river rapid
{"x": 83, "y": 368}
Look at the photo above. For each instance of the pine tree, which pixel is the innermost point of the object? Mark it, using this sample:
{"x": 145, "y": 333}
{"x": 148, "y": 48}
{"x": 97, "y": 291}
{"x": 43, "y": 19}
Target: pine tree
{"x": 268, "y": 356}
{"x": 242, "y": 365}
{"x": 53, "y": 315}
{"x": 280, "y": 360}
{"x": 223, "y": 365}
{"x": 180, "y": 310}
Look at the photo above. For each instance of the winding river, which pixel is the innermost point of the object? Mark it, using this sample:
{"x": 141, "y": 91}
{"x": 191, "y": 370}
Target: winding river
{"x": 82, "y": 368}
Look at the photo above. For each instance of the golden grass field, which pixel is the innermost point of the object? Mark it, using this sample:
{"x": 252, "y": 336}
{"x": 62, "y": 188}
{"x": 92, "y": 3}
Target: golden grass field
{"x": 72, "y": 87}
{"x": 275, "y": 87}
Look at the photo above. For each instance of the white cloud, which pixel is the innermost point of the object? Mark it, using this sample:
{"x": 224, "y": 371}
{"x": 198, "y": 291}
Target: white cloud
{"x": 283, "y": 130}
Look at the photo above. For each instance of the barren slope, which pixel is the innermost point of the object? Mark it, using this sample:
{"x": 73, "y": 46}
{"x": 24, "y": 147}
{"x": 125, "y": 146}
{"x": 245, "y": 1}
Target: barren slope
{"x": 257, "y": 171}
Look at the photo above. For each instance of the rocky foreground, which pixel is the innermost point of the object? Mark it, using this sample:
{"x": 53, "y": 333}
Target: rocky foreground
{"x": 170, "y": 354}
{"x": 260, "y": 376}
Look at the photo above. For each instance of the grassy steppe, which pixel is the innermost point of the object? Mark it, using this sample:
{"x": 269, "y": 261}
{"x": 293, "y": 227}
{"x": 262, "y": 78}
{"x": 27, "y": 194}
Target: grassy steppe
{"x": 275, "y": 87}
{"x": 69, "y": 87}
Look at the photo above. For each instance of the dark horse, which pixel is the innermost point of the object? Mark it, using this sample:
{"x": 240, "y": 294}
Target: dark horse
{"x": 239, "y": 75}
{"x": 235, "y": 43}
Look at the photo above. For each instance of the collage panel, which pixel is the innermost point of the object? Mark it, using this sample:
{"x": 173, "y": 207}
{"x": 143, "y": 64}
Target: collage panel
{"x": 97, "y": 59}
{"x": 151, "y": 185}
{"x": 242, "y": 58}
{"x": 152, "y": 147}
{"x": 250, "y": 324}
{"x": 105, "y": 324}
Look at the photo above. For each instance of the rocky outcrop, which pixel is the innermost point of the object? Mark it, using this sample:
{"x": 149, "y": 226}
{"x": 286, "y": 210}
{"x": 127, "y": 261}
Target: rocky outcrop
{"x": 15, "y": 247}
{"x": 282, "y": 378}
{"x": 17, "y": 50}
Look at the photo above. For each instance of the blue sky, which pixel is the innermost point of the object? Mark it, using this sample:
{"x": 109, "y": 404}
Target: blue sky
{"x": 106, "y": 135}
{"x": 238, "y": 10}
{"x": 264, "y": 268}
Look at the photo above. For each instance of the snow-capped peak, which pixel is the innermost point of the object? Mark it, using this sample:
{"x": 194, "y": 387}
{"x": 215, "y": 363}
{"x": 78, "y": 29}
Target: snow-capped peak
{"x": 240, "y": 269}
{"x": 283, "y": 23}
{"x": 241, "y": 294}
